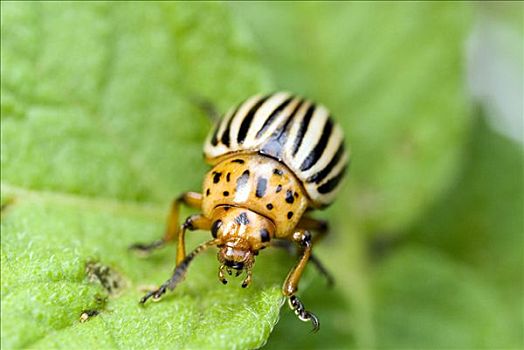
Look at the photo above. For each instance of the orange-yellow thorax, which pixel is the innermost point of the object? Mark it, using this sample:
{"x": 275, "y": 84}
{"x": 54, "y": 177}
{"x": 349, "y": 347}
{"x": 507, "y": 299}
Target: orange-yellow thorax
{"x": 258, "y": 183}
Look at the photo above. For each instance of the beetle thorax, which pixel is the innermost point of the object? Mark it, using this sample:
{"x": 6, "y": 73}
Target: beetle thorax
{"x": 259, "y": 183}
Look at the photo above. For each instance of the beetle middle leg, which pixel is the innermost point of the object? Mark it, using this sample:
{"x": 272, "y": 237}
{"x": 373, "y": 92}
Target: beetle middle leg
{"x": 194, "y": 222}
{"x": 321, "y": 228}
{"x": 290, "y": 287}
{"x": 191, "y": 199}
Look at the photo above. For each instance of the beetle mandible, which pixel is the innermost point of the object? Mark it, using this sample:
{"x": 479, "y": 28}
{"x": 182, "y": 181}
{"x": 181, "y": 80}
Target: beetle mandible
{"x": 275, "y": 158}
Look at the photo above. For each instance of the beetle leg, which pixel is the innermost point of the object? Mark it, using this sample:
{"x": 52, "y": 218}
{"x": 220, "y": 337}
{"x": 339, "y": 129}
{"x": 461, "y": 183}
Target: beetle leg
{"x": 321, "y": 227}
{"x": 290, "y": 287}
{"x": 194, "y": 222}
{"x": 178, "y": 274}
{"x": 207, "y": 107}
{"x": 313, "y": 258}
{"x": 191, "y": 199}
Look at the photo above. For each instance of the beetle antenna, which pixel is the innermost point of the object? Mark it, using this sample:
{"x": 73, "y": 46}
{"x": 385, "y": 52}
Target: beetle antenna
{"x": 247, "y": 280}
{"x": 221, "y": 275}
{"x": 179, "y": 272}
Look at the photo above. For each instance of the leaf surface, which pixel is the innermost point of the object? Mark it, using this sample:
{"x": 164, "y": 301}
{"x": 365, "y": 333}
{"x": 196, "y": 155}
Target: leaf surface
{"x": 98, "y": 133}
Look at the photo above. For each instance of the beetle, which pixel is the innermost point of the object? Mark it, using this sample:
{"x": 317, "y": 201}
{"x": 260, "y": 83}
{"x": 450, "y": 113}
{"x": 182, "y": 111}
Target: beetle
{"x": 274, "y": 158}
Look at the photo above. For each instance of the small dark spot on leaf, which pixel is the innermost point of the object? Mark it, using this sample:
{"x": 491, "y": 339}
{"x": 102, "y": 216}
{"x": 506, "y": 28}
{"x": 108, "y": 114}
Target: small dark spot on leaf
{"x": 6, "y": 203}
{"x": 87, "y": 314}
{"x": 110, "y": 279}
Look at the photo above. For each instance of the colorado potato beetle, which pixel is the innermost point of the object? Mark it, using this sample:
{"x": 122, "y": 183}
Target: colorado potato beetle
{"x": 274, "y": 158}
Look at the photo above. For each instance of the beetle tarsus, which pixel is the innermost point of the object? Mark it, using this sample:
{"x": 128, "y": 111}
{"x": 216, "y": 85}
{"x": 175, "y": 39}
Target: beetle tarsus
{"x": 298, "y": 307}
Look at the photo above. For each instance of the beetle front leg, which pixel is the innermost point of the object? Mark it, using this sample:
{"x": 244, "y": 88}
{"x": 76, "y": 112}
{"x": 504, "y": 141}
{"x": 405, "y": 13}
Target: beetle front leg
{"x": 191, "y": 199}
{"x": 290, "y": 287}
{"x": 194, "y": 222}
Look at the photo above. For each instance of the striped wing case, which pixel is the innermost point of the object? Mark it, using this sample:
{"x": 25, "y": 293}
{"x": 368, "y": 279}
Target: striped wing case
{"x": 296, "y": 131}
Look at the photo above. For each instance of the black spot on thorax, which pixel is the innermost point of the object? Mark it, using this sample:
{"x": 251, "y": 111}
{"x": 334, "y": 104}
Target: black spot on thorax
{"x": 216, "y": 177}
{"x": 289, "y": 197}
{"x": 261, "y": 187}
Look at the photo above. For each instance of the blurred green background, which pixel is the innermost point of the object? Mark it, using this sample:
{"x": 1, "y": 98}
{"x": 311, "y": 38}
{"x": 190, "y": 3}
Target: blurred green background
{"x": 99, "y": 131}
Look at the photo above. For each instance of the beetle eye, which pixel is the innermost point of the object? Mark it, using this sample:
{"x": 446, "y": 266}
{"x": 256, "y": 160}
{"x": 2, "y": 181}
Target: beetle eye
{"x": 214, "y": 228}
{"x": 264, "y": 235}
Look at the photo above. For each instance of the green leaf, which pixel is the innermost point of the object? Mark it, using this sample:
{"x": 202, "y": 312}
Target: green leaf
{"x": 425, "y": 300}
{"x": 47, "y": 241}
{"x": 98, "y": 131}
{"x": 457, "y": 279}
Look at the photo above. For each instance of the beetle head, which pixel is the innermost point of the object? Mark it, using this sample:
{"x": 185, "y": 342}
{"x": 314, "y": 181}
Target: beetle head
{"x": 241, "y": 233}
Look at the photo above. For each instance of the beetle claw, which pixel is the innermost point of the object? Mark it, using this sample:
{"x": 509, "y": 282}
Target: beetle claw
{"x": 296, "y": 305}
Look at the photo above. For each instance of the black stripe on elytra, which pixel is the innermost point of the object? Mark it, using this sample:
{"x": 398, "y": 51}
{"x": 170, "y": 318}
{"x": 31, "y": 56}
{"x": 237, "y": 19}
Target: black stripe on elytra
{"x": 242, "y": 219}
{"x": 216, "y": 177}
{"x": 248, "y": 118}
{"x": 332, "y": 183}
{"x": 277, "y": 140}
{"x": 287, "y": 126}
{"x": 313, "y": 156}
{"x": 242, "y": 180}
{"x": 276, "y": 112}
{"x": 225, "y": 135}
{"x": 261, "y": 187}
{"x": 214, "y": 139}
{"x": 321, "y": 175}
{"x": 303, "y": 128}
